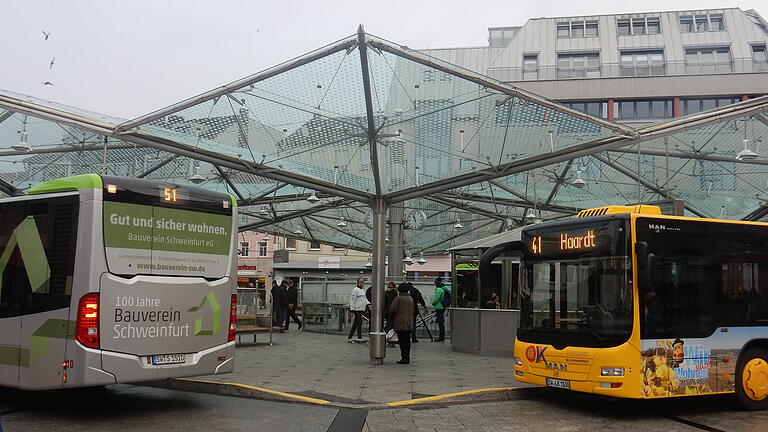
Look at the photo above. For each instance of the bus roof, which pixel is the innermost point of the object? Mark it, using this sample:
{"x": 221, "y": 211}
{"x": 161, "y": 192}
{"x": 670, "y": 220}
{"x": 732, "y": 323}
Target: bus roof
{"x": 96, "y": 181}
{"x": 85, "y": 181}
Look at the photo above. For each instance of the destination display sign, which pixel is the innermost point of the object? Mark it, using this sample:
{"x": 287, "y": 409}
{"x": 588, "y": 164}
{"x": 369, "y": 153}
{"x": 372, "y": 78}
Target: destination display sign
{"x": 592, "y": 238}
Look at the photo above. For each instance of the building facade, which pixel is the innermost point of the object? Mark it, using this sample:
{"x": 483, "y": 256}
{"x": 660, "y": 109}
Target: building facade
{"x": 629, "y": 68}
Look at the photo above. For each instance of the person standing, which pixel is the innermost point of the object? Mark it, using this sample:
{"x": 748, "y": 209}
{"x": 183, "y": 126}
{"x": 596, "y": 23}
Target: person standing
{"x": 273, "y": 299}
{"x": 357, "y": 306}
{"x": 292, "y": 297}
{"x": 389, "y": 297}
{"x": 437, "y": 303}
{"x": 417, "y": 299}
{"x": 280, "y": 299}
{"x": 401, "y": 310}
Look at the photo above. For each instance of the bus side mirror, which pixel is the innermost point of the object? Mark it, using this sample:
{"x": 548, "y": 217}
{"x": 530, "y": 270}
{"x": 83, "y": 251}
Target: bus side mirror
{"x": 646, "y": 273}
{"x": 641, "y": 249}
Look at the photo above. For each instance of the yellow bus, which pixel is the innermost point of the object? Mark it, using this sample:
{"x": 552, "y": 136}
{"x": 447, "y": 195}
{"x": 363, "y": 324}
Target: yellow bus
{"x": 627, "y": 302}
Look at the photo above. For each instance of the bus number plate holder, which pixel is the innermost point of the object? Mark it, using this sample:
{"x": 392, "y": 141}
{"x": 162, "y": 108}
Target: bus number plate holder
{"x": 558, "y": 383}
{"x": 163, "y": 359}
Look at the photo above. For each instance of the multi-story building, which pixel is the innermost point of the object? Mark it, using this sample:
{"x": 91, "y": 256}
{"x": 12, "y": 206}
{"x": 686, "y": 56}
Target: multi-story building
{"x": 629, "y": 68}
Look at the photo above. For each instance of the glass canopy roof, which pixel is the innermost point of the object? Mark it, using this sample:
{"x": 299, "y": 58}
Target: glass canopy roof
{"x": 364, "y": 118}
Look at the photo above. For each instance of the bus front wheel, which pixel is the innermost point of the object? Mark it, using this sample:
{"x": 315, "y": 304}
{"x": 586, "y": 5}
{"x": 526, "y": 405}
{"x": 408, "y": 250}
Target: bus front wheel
{"x": 752, "y": 379}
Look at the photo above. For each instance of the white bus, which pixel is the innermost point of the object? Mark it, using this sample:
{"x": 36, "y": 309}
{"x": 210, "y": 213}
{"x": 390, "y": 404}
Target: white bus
{"x": 109, "y": 280}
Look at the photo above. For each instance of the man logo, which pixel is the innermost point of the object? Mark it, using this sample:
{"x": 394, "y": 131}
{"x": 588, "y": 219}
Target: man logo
{"x": 556, "y": 366}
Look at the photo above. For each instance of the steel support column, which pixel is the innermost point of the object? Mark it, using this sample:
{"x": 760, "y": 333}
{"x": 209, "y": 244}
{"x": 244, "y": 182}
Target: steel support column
{"x": 396, "y": 243}
{"x": 378, "y": 342}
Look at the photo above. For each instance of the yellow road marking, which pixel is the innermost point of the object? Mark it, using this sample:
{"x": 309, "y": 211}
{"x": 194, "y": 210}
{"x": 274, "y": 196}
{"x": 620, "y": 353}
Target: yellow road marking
{"x": 448, "y": 395}
{"x": 275, "y": 392}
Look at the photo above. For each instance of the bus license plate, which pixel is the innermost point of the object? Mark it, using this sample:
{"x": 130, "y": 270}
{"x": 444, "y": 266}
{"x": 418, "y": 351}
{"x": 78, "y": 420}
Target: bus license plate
{"x": 559, "y": 383}
{"x": 162, "y": 359}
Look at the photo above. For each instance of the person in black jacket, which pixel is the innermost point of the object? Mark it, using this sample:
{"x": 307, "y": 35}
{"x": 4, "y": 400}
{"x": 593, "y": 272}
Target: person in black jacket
{"x": 292, "y": 297}
{"x": 417, "y": 299}
{"x": 280, "y": 303}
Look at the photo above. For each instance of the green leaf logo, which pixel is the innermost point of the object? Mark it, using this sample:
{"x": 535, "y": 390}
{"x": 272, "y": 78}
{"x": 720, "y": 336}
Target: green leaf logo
{"x": 210, "y": 299}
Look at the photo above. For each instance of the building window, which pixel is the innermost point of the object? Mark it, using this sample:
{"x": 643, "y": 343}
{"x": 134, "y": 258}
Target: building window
{"x": 244, "y": 249}
{"x": 577, "y": 29}
{"x": 290, "y": 243}
{"x": 428, "y": 76}
{"x": 708, "y": 60}
{"x": 642, "y": 63}
{"x": 694, "y": 105}
{"x": 262, "y": 249}
{"x": 758, "y": 22}
{"x": 593, "y": 108}
{"x": 639, "y": 26}
{"x": 530, "y": 66}
{"x": 314, "y": 245}
{"x": 701, "y": 23}
{"x": 645, "y": 109}
{"x": 759, "y": 58}
{"x": 578, "y": 65}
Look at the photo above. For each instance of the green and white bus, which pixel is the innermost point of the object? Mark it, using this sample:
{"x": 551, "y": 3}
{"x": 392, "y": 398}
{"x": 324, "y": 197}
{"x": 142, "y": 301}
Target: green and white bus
{"x": 108, "y": 280}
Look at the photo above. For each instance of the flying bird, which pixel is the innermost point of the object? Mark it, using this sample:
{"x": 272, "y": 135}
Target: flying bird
{"x": 53, "y": 60}
{"x": 46, "y": 35}
{"x": 47, "y": 83}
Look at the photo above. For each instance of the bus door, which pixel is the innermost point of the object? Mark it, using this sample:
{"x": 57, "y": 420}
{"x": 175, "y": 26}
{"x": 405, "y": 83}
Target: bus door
{"x": 48, "y": 252}
{"x": 10, "y": 345}
{"x": 37, "y": 251}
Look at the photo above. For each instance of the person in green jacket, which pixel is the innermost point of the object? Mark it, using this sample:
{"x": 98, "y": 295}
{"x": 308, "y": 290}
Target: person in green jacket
{"x": 437, "y": 303}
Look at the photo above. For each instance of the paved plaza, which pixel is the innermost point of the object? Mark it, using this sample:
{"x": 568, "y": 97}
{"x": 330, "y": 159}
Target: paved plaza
{"x": 326, "y": 367}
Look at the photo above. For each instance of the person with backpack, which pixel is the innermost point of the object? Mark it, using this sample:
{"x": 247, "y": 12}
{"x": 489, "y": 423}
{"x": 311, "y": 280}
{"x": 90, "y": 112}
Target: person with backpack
{"x": 440, "y": 301}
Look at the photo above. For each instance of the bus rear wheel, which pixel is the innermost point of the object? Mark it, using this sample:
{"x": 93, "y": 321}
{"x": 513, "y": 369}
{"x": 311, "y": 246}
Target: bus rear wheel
{"x": 752, "y": 379}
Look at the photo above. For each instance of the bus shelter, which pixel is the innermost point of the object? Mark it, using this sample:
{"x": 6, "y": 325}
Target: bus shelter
{"x": 367, "y": 144}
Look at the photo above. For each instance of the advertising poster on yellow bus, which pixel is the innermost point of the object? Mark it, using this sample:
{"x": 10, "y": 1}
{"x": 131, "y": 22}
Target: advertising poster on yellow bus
{"x": 679, "y": 366}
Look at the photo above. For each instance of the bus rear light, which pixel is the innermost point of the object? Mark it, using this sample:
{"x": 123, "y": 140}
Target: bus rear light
{"x": 610, "y": 385}
{"x": 87, "y": 327}
{"x": 232, "y": 319}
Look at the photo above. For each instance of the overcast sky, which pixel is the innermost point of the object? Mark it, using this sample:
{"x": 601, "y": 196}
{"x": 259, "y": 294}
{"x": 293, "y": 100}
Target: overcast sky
{"x": 129, "y": 57}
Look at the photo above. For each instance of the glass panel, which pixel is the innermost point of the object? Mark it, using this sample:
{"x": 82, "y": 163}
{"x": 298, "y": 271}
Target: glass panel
{"x": 593, "y": 73}
{"x": 591, "y": 29}
{"x": 577, "y": 29}
{"x": 701, "y": 23}
{"x": 686, "y": 24}
{"x": 658, "y": 109}
{"x": 623, "y": 27}
{"x": 626, "y": 110}
{"x": 626, "y": 59}
{"x": 593, "y": 60}
{"x": 638, "y": 27}
{"x": 759, "y": 53}
{"x": 716, "y": 22}
{"x": 593, "y": 108}
{"x": 723, "y": 56}
{"x": 627, "y": 71}
{"x": 657, "y": 57}
{"x": 691, "y": 57}
{"x": 641, "y": 58}
{"x": 653, "y": 27}
{"x": 577, "y": 73}
{"x": 708, "y": 104}
{"x": 563, "y": 31}
{"x": 643, "y": 110}
{"x": 707, "y": 57}
{"x": 578, "y": 62}
{"x": 564, "y": 61}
